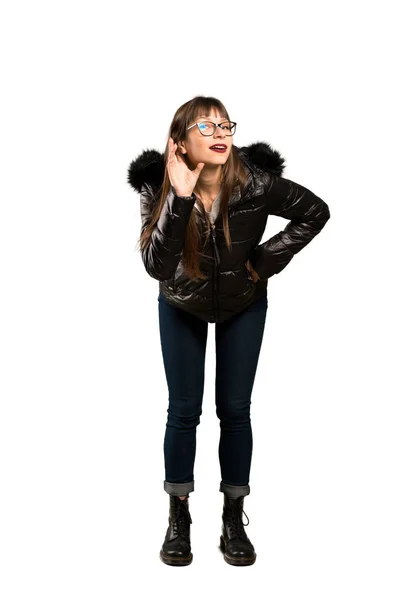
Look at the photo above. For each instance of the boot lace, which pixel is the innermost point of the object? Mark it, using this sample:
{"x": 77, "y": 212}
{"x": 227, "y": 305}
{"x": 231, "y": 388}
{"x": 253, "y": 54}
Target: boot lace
{"x": 181, "y": 519}
{"x": 234, "y": 516}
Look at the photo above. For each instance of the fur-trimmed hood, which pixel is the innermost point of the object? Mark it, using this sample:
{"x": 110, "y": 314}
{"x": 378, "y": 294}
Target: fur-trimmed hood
{"x": 148, "y": 167}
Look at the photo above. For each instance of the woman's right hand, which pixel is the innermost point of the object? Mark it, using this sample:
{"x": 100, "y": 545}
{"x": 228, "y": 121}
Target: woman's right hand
{"x": 254, "y": 275}
{"x": 181, "y": 177}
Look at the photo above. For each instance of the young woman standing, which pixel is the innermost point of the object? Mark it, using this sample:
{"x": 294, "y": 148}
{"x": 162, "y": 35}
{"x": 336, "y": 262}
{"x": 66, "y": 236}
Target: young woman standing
{"x": 204, "y": 208}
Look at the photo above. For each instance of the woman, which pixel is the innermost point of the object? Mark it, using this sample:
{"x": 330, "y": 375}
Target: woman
{"x": 204, "y": 208}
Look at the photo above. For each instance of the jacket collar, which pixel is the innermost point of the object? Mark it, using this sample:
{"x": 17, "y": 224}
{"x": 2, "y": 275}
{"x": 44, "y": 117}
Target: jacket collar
{"x": 148, "y": 167}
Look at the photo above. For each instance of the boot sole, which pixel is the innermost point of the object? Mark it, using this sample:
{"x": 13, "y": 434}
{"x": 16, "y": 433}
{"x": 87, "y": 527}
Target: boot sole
{"x": 176, "y": 561}
{"x": 242, "y": 561}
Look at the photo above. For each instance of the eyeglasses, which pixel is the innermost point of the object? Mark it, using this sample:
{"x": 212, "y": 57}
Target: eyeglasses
{"x": 209, "y": 128}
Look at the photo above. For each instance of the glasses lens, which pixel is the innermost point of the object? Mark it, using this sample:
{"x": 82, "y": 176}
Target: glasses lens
{"x": 207, "y": 127}
{"x": 229, "y": 127}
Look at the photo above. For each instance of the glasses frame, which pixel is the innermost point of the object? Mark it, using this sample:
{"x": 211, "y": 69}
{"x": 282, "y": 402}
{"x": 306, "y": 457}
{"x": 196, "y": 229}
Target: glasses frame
{"x": 215, "y": 127}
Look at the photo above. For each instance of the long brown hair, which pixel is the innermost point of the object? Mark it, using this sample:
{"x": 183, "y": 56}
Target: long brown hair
{"x": 233, "y": 174}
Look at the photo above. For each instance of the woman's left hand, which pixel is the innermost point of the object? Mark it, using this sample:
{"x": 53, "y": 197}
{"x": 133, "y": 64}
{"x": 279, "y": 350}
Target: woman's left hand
{"x": 254, "y": 275}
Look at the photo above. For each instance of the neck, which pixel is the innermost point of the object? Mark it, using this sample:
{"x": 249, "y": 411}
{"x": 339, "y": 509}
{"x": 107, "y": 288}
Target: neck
{"x": 208, "y": 184}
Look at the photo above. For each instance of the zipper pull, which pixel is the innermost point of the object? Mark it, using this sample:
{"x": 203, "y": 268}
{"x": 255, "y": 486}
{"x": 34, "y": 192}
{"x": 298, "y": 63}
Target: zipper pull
{"x": 215, "y": 245}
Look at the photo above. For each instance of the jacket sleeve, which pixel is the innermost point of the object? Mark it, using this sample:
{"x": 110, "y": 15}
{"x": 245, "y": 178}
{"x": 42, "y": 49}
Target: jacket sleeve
{"x": 161, "y": 257}
{"x": 308, "y": 215}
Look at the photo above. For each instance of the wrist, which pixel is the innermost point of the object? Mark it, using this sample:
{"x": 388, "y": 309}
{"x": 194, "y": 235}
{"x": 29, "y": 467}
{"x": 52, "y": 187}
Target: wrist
{"x": 183, "y": 193}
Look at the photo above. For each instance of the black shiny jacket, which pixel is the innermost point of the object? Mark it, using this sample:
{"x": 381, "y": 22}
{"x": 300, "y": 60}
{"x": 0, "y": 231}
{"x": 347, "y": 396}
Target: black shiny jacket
{"x": 229, "y": 287}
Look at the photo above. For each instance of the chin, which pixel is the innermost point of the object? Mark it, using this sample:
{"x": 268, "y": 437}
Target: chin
{"x": 219, "y": 158}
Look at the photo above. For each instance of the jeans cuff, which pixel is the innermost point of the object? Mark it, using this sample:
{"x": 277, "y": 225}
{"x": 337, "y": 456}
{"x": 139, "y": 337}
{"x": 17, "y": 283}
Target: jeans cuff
{"x": 234, "y": 491}
{"x": 178, "y": 489}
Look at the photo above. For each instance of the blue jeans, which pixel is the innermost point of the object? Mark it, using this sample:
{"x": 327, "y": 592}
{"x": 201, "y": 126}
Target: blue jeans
{"x": 238, "y": 343}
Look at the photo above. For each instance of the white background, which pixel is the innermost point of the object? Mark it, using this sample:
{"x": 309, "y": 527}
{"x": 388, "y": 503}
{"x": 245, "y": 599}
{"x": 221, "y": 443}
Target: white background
{"x": 86, "y": 87}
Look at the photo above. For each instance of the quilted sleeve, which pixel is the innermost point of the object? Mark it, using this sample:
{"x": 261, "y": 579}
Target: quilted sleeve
{"x": 162, "y": 255}
{"x": 308, "y": 215}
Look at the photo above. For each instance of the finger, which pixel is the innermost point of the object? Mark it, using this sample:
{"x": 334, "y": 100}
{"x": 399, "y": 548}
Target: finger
{"x": 173, "y": 147}
{"x": 176, "y": 157}
{"x": 171, "y": 153}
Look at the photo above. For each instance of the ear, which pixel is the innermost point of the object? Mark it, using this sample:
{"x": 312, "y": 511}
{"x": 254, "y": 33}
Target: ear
{"x": 181, "y": 147}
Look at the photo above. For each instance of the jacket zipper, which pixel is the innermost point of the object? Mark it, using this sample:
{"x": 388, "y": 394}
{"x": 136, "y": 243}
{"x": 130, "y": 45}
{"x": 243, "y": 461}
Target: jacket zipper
{"x": 216, "y": 269}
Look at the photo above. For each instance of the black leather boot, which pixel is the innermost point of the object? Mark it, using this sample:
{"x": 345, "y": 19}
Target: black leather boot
{"x": 236, "y": 546}
{"x": 176, "y": 549}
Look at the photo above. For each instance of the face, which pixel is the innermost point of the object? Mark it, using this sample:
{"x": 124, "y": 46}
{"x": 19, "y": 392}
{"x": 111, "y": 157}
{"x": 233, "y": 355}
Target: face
{"x": 196, "y": 147}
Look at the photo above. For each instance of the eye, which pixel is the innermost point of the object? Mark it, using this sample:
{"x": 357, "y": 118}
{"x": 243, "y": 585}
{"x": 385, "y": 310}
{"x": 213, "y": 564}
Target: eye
{"x": 227, "y": 125}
